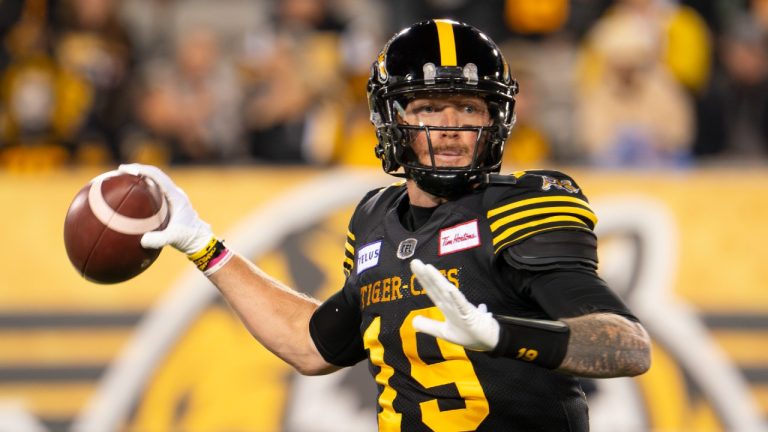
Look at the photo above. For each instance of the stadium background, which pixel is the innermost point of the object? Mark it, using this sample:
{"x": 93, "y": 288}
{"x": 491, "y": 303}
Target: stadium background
{"x": 682, "y": 232}
{"x": 59, "y": 335}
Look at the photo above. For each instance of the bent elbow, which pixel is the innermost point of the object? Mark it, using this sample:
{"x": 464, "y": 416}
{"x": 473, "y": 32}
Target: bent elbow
{"x": 641, "y": 360}
{"x": 306, "y": 371}
{"x": 314, "y": 368}
{"x": 642, "y": 365}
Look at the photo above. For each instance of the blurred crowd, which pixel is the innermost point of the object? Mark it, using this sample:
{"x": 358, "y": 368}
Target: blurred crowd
{"x": 622, "y": 83}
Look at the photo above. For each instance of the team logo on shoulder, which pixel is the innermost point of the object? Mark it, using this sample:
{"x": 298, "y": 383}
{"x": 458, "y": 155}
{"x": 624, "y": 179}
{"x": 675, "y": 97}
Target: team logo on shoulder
{"x": 368, "y": 256}
{"x": 459, "y": 237}
{"x": 407, "y": 248}
{"x": 548, "y": 183}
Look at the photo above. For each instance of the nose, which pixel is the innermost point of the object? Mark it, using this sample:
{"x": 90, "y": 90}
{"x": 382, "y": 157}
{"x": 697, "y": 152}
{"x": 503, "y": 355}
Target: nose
{"x": 450, "y": 118}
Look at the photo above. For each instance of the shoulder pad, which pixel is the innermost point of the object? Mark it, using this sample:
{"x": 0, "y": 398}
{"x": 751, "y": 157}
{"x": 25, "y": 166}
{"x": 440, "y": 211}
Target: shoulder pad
{"x": 554, "y": 250}
{"x": 372, "y": 201}
{"x": 544, "y": 180}
{"x": 381, "y": 196}
{"x": 333, "y": 328}
{"x": 534, "y": 181}
{"x": 540, "y": 201}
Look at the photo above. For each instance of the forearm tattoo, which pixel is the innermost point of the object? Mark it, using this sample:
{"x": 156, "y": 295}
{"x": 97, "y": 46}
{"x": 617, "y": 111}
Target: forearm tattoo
{"x": 604, "y": 345}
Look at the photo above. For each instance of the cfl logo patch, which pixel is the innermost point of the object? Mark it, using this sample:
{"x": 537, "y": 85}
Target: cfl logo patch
{"x": 407, "y": 248}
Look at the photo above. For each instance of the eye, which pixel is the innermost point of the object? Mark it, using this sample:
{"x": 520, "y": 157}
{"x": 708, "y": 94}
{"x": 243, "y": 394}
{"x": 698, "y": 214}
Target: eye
{"x": 470, "y": 109}
{"x": 427, "y": 108}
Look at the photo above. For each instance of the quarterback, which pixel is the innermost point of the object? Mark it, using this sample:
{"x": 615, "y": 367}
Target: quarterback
{"x": 473, "y": 296}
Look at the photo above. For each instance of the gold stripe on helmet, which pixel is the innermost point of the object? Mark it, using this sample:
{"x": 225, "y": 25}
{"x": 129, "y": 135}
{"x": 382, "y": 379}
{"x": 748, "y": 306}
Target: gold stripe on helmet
{"x": 447, "y": 42}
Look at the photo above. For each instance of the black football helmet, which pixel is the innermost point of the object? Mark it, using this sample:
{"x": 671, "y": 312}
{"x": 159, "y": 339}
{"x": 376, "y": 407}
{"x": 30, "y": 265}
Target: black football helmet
{"x": 438, "y": 57}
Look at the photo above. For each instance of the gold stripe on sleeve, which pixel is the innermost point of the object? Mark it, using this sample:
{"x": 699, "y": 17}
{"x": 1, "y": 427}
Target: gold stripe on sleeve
{"x": 517, "y": 228}
{"x": 530, "y": 201}
{"x": 543, "y": 211}
{"x": 524, "y": 236}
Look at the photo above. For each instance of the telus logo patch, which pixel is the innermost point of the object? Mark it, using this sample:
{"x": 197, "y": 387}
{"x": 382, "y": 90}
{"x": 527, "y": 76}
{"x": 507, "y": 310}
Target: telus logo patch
{"x": 368, "y": 256}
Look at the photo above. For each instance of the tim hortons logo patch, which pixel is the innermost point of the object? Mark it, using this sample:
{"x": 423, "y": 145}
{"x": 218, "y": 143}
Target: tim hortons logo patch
{"x": 407, "y": 248}
{"x": 368, "y": 256}
{"x": 458, "y": 238}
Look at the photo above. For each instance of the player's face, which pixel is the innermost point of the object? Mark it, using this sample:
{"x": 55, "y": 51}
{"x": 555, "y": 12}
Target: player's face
{"x": 451, "y": 148}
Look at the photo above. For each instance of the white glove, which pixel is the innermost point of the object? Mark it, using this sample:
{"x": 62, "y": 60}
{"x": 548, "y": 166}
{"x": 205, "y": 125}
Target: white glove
{"x": 185, "y": 231}
{"x": 472, "y": 327}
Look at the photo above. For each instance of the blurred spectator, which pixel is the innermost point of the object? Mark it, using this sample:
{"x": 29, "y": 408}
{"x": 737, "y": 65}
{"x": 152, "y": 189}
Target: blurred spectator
{"x": 32, "y": 101}
{"x": 536, "y": 16}
{"x": 635, "y": 113}
{"x": 10, "y": 12}
{"x": 733, "y": 115}
{"x": 94, "y": 81}
{"x": 542, "y": 38}
{"x": 527, "y": 145}
{"x": 295, "y": 88}
{"x": 156, "y": 24}
{"x": 364, "y": 35}
{"x": 687, "y": 43}
{"x": 65, "y": 86}
{"x": 93, "y": 49}
{"x": 682, "y": 37}
{"x": 542, "y": 41}
{"x": 189, "y": 109}
{"x": 711, "y": 11}
{"x": 760, "y": 11}
{"x": 582, "y": 16}
{"x": 487, "y": 14}
{"x": 546, "y": 94}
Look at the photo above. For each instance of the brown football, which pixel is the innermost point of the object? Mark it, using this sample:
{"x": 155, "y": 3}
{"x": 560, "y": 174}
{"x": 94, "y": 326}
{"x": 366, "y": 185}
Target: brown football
{"x": 105, "y": 222}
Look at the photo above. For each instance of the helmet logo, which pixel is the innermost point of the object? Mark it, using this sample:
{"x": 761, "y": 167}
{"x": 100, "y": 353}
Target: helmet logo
{"x": 430, "y": 72}
{"x": 470, "y": 73}
{"x": 382, "y": 65}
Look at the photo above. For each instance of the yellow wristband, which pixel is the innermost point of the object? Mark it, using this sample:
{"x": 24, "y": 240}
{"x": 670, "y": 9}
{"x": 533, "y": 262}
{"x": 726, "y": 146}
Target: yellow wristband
{"x": 204, "y": 255}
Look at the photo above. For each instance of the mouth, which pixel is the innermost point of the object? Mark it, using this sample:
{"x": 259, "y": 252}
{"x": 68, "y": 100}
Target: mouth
{"x": 451, "y": 158}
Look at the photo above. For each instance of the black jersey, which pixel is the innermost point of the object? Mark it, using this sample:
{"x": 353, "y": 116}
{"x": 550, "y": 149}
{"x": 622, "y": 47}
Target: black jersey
{"x": 427, "y": 383}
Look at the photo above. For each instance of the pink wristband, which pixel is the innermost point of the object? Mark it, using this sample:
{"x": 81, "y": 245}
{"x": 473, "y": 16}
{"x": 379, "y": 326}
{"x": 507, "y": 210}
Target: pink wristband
{"x": 218, "y": 262}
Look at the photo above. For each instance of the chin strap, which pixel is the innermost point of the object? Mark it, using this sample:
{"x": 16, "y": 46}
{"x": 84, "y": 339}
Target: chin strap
{"x": 444, "y": 185}
{"x": 455, "y": 187}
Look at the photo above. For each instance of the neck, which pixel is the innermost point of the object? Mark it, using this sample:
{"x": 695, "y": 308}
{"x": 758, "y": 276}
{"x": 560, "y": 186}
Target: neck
{"x": 420, "y": 198}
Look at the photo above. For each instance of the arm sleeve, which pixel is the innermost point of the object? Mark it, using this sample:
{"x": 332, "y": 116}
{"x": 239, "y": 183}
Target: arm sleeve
{"x": 561, "y": 277}
{"x": 335, "y": 330}
{"x": 558, "y": 249}
{"x": 574, "y": 292}
{"x": 335, "y": 325}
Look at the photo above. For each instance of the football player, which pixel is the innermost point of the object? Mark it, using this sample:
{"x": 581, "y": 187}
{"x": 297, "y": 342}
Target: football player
{"x": 473, "y": 295}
